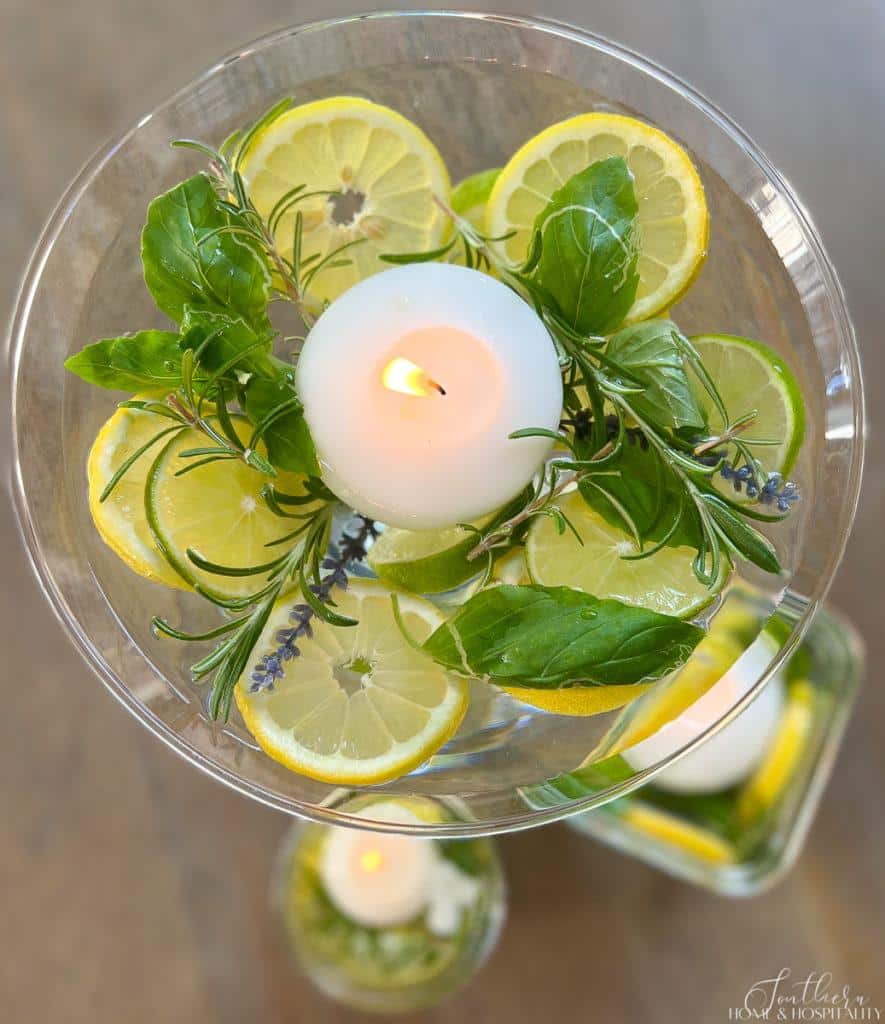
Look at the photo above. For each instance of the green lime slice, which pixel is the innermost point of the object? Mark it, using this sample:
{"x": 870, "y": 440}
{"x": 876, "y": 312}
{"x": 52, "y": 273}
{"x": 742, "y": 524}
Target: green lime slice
{"x": 750, "y": 376}
{"x": 664, "y": 582}
{"x": 469, "y": 197}
{"x": 216, "y": 510}
{"x": 425, "y": 561}
{"x": 433, "y": 561}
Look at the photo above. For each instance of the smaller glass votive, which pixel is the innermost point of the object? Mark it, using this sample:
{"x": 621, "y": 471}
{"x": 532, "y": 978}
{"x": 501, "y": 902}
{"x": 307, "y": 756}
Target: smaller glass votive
{"x": 742, "y": 839}
{"x": 388, "y": 923}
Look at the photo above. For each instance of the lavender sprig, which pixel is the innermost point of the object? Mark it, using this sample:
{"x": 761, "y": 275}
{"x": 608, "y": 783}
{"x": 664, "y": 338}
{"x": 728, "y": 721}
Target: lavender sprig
{"x": 773, "y": 490}
{"x": 351, "y": 548}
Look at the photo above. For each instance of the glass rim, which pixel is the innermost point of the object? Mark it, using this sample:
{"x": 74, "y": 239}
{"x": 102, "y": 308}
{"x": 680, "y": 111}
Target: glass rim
{"x": 533, "y": 816}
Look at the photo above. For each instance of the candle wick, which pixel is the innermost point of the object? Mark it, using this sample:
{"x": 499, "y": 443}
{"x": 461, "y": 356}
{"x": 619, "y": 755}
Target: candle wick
{"x": 438, "y": 387}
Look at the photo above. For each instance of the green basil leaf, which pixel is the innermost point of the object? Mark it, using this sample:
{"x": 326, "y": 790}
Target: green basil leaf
{"x": 588, "y": 257}
{"x": 713, "y": 811}
{"x": 580, "y": 783}
{"x": 227, "y": 345}
{"x": 547, "y": 636}
{"x": 187, "y": 263}
{"x": 650, "y": 355}
{"x": 473, "y": 857}
{"x": 647, "y": 491}
{"x": 741, "y": 537}
{"x": 287, "y": 437}
{"x": 133, "y": 362}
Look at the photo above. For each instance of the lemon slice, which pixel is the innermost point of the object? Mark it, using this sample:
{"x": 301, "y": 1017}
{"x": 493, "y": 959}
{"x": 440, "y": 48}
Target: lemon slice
{"x": 360, "y": 705}
{"x": 578, "y": 701}
{"x": 784, "y": 755}
{"x": 708, "y": 663}
{"x": 672, "y": 218}
{"x": 699, "y": 842}
{"x": 120, "y": 518}
{"x": 383, "y": 167}
{"x": 217, "y": 511}
{"x": 663, "y": 582}
{"x": 750, "y": 376}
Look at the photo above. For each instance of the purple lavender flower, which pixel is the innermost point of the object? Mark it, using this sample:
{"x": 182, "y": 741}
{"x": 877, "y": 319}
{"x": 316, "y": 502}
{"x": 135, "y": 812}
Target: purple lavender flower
{"x": 351, "y": 548}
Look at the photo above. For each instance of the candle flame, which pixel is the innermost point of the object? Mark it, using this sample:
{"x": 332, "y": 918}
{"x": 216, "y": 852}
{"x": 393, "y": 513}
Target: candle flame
{"x": 409, "y": 379}
{"x": 371, "y": 861}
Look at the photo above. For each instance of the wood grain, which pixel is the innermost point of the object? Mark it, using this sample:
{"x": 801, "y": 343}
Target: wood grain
{"x": 134, "y": 888}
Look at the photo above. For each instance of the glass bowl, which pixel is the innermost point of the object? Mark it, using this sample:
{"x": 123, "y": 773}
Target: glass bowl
{"x": 479, "y": 85}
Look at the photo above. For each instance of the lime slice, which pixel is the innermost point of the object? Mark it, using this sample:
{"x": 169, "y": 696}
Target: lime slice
{"x": 424, "y": 561}
{"x": 672, "y": 216}
{"x": 750, "y": 376}
{"x": 216, "y": 510}
{"x": 433, "y": 561}
{"x": 120, "y": 518}
{"x": 383, "y": 168}
{"x": 360, "y": 705}
{"x": 663, "y": 582}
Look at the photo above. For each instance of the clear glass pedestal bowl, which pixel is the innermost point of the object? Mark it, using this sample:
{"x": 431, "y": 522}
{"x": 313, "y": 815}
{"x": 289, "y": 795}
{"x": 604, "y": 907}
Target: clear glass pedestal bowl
{"x": 479, "y": 85}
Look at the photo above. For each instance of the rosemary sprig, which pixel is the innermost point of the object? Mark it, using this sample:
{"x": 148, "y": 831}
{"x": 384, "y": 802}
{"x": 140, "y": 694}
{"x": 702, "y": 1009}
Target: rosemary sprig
{"x": 229, "y": 659}
{"x": 560, "y": 476}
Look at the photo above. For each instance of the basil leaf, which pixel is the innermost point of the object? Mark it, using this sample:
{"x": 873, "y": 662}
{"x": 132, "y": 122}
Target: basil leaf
{"x": 133, "y": 362}
{"x": 639, "y": 484}
{"x": 588, "y": 257}
{"x": 287, "y": 437}
{"x": 580, "y": 783}
{"x": 546, "y": 636}
{"x": 187, "y": 264}
{"x": 650, "y": 355}
{"x": 471, "y": 858}
{"x": 741, "y": 538}
{"x": 713, "y": 811}
{"x": 232, "y": 348}
{"x": 227, "y": 345}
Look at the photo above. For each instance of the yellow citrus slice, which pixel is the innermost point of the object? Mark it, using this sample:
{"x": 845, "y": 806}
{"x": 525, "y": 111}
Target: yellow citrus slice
{"x": 360, "y": 705}
{"x": 697, "y": 841}
{"x": 120, "y": 518}
{"x": 383, "y": 168}
{"x": 217, "y": 511}
{"x": 709, "y": 661}
{"x": 672, "y": 218}
{"x": 578, "y": 701}
{"x": 786, "y": 751}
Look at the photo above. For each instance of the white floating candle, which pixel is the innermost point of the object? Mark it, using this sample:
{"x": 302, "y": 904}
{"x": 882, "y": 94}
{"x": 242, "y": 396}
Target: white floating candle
{"x": 412, "y": 382}
{"x": 381, "y": 880}
{"x": 377, "y": 879}
{"x": 730, "y": 755}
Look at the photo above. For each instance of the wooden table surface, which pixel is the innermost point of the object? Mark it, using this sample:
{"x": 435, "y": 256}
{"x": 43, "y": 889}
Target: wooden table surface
{"x": 135, "y": 889}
